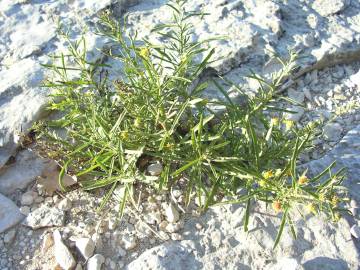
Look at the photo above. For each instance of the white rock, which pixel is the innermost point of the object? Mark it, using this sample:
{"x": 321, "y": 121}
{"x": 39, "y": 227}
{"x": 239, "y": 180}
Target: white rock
{"x": 9, "y": 236}
{"x": 86, "y": 246}
{"x": 355, "y": 231}
{"x": 354, "y": 203}
{"x": 355, "y": 79}
{"x": 9, "y": 214}
{"x": 155, "y": 169}
{"x": 287, "y": 264}
{"x": 129, "y": 242}
{"x": 27, "y": 198}
{"x": 65, "y": 204}
{"x": 112, "y": 223}
{"x": 45, "y": 217}
{"x": 62, "y": 254}
{"x": 332, "y": 131}
{"x": 172, "y": 215}
{"x": 329, "y": 7}
{"x": 95, "y": 262}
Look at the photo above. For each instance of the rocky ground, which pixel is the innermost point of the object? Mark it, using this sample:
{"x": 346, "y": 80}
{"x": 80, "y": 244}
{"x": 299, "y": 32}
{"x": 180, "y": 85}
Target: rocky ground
{"x": 42, "y": 228}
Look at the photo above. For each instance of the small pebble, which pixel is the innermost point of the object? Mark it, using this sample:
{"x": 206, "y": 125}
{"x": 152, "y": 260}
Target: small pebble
{"x": 86, "y": 246}
{"x": 27, "y": 198}
{"x": 172, "y": 215}
{"x": 95, "y": 262}
{"x": 25, "y": 210}
{"x": 129, "y": 242}
{"x": 9, "y": 236}
{"x": 155, "y": 169}
{"x": 65, "y": 204}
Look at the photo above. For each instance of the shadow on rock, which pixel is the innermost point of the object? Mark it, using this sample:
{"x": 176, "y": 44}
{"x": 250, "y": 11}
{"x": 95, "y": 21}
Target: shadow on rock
{"x": 321, "y": 263}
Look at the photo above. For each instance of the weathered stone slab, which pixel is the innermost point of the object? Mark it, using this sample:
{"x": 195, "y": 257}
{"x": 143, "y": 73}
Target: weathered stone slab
{"x": 9, "y": 214}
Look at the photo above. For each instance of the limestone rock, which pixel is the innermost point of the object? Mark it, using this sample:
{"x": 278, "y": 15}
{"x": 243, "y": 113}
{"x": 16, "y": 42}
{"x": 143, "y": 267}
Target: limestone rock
{"x": 63, "y": 255}
{"x": 166, "y": 256}
{"x": 129, "y": 242}
{"x": 9, "y": 214}
{"x": 9, "y": 236}
{"x": 27, "y": 198}
{"x": 172, "y": 215}
{"x": 26, "y": 168}
{"x": 329, "y": 7}
{"x": 95, "y": 262}
{"x": 355, "y": 231}
{"x": 65, "y": 204}
{"x": 45, "y": 217}
{"x": 332, "y": 131}
{"x": 86, "y": 246}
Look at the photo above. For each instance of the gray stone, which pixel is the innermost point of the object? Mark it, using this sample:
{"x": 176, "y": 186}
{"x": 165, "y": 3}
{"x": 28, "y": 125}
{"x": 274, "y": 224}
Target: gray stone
{"x": 9, "y": 214}
{"x": 297, "y": 113}
{"x": 45, "y": 217}
{"x": 155, "y": 169}
{"x": 332, "y": 131}
{"x": 296, "y": 95}
{"x": 9, "y": 236}
{"x": 18, "y": 175}
{"x": 27, "y": 198}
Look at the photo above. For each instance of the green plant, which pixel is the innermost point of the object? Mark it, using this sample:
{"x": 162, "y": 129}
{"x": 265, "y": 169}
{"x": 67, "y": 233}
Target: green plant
{"x": 157, "y": 112}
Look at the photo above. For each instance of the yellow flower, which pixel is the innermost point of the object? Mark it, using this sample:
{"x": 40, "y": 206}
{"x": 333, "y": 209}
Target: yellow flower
{"x": 262, "y": 183}
{"x": 268, "y": 174}
{"x": 277, "y": 206}
{"x": 334, "y": 200}
{"x": 274, "y": 121}
{"x": 303, "y": 180}
{"x": 137, "y": 122}
{"x": 322, "y": 197}
{"x": 144, "y": 52}
{"x": 311, "y": 208}
{"x": 124, "y": 135}
{"x": 288, "y": 124}
{"x": 169, "y": 145}
{"x": 278, "y": 172}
